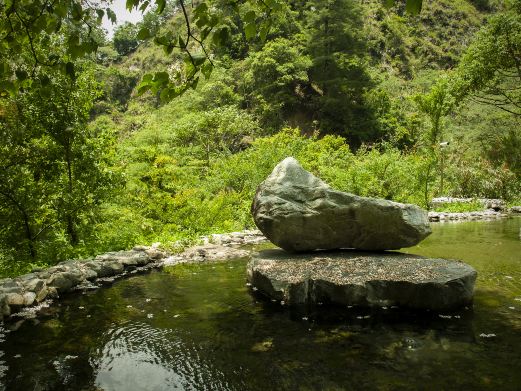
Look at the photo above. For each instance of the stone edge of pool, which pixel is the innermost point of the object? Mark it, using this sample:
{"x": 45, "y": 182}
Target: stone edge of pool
{"x": 38, "y": 288}
{"x": 33, "y": 290}
{"x": 471, "y": 216}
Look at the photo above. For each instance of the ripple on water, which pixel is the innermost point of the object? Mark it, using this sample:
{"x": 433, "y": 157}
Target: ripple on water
{"x": 208, "y": 332}
{"x": 138, "y": 356}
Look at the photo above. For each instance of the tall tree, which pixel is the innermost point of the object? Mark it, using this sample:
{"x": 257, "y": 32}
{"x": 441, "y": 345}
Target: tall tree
{"x": 54, "y": 171}
{"x": 338, "y": 74}
{"x": 490, "y": 69}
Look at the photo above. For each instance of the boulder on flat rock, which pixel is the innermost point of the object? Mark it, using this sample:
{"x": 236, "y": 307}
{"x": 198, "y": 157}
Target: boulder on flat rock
{"x": 299, "y": 212}
{"x": 362, "y": 279}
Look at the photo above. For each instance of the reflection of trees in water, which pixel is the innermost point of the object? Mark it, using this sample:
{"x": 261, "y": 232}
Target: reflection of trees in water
{"x": 208, "y": 332}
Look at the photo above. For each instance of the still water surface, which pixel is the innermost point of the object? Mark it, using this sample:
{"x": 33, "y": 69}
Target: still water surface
{"x": 198, "y": 327}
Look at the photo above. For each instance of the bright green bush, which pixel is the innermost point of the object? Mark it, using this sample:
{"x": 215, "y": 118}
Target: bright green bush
{"x": 460, "y": 207}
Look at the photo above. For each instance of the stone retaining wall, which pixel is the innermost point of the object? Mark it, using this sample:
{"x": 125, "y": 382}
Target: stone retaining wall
{"x": 33, "y": 289}
{"x": 466, "y": 216}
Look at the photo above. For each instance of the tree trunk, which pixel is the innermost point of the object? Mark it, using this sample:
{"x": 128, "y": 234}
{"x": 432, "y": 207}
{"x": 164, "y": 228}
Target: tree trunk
{"x": 71, "y": 229}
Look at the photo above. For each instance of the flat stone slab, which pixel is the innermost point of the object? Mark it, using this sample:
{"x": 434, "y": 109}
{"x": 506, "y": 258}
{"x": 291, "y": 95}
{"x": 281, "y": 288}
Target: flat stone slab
{"x": 363, "y": 279}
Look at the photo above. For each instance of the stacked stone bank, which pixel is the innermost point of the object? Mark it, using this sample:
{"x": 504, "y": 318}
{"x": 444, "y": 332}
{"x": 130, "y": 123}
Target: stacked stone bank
{"x": 33, "y": 288}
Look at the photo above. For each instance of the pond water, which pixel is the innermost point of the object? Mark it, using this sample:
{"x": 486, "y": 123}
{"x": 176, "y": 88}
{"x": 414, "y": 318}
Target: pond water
{"x": 198, "y": 327}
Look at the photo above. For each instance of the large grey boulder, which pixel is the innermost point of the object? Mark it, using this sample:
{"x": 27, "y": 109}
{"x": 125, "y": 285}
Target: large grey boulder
{"x": 299, "y": 212}
{"x": 362, "y": 279}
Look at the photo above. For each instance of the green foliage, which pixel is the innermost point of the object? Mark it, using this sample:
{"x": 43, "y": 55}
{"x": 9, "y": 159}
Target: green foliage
{"x": 126, "y": 38}
{"x": 118, "y": 85}
{"x": 404, "y": 44}
{"x": 479, "y": 178}
{"x": 459, "y": 207}
{"x": 339, "y": 72}
{"x": 54, "y": 173}
{"x": 37, "y": 34}
{"x": 436, "y": 104}
{"x": 352, "y": 90}
{"x": 276, "y": 80}
{"x": 223, "y": 130}
{"x": 490, "y": 68}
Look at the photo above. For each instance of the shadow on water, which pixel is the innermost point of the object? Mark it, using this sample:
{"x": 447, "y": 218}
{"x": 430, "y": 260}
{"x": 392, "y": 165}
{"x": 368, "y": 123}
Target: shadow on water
{"x": 199, "y": 327}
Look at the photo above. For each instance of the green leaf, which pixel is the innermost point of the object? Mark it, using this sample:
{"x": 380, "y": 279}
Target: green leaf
{"x": 162, "y": 40}
{"x": 160, "y": 6}
{"x": 194, "y": 83}
{"x": 263, "y": 31}
{"x": 143, "y": 87}
{"x": 90, "y": 46}
{"x": 250, "y": 30}
{"x": 220, "y": 37}
{"x": 52, "y": 25}
{"x": 413, "y": 6}
{"x": 53, "y": 58}
{"x": 131, "y": 4}
{"x": 207, "y": 69}
{"x": 198, "y": 59}
{"x": 101, "y": 14}
{"x": 8, "y": 87}
{"x": 148, "y": 77}
{"x": 77, "y": 11}
{"x": 161, "y": 77}
{"x": 111, "y": 16}
{"x": 44, "y": 80}
{"x": 9, "y": 4}
{"x": 144, "y": 6}
{"x": 61, "y": 9}
{"x": 205, "y": 32}
{"x": 5, "y": 69}
{"x": 202, "y": 20}
{"x": 76, "y": 51}
{"x": 273, "y": 4}
{"x": 249, "y": 17}
{"x": 168, "y": 48}
{"x": 164, "y": 95}
{"x": 144, "y": 33}
{"x": 201, "y": 8}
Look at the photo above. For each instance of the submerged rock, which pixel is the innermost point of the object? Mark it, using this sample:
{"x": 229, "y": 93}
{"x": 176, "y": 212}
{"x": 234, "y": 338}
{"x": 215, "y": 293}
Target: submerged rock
{"x": 362, "y": 279}
{"x": 299, "y": 212}
{"x": 205, "y": 253}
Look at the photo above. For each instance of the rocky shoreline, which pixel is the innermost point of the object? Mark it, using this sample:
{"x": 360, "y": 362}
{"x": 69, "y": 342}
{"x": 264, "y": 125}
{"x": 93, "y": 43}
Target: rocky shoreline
{"x": 492, "y": 209}
{"x": 467, "y": 216}
{"x": 26, "y": 294}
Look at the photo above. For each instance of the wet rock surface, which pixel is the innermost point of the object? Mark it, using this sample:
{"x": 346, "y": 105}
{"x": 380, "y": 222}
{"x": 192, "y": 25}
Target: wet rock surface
{"x": 206, "y": 253}
{"x": 362, "y": 279}
{"x": 299, "y": 212}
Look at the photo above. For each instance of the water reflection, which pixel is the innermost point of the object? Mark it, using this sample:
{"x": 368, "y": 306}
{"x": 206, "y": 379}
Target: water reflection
{"x": 199, "y": 327}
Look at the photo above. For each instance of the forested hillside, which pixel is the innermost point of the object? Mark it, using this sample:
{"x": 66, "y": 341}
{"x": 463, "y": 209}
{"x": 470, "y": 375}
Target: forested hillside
{"x": 374, "y": 100}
